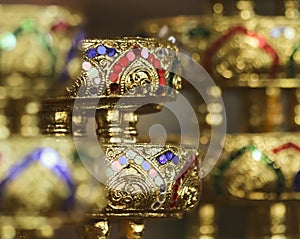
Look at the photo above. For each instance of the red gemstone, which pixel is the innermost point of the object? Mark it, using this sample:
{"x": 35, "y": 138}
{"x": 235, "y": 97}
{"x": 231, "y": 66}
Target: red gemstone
{"x": 174, "y": 199}
{"x": 156, "y": 64}
{"x": 137, "y": 50}
{"x": 151, "y": 58}
{"x": 130, "y": 56}
{"x": 123, "y": 61}
{"x": 117, "y": 68}
{"x": 113, "y": 77}
{"x": 114, "y": 87}
{"x": 162, "y": 81}
{"x": 175, "y": 188}
{"x": 161, "y": 72}
{"x": 286, "y": 146}
{"x": 60, "y": 26}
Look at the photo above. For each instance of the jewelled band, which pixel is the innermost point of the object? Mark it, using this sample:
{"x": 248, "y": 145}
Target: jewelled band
{"x": 239, "y": 49}
{"x": 127, "y": 66}
{"x": 146, "y": 178}
{"x": 50, "y": 159}
{"x": 215, "y": 46}
{"x": 259, "y": 167}
{"x": 9, "y": 40}
{"x": 47, "y": 26}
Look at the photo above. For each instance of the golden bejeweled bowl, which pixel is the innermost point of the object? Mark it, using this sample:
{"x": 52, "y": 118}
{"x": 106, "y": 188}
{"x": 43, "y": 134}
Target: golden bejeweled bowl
{"x": 240, "y": 47}
{"x": 252, "y": 58}
{"x": 258, "y": 167}
{"x": 127, "y": 71}
{"x": 37, "y": 45}
{"x": 257, "y": 173}
{"x": 44, "y": 186}
{"x": 38, "y": 50}
{"x": 146, "y": 180}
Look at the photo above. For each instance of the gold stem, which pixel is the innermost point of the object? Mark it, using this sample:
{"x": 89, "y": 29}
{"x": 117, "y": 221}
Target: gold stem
{"x": 274, "y": 116}
{"x": 266, "y": 110}
{"x": 203, "y": 222}
{"x": 98, "y": 230}
{"x": 116, "y": 126}
{"x": 23, "y": 116}
{"x": 132, "y": 229}
{"x": 58, "y": 121}
{"x": 207, "y": 221}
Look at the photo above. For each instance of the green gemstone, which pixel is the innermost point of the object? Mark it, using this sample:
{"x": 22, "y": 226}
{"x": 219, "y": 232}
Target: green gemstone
{"x": 27, "y": 24}
{"x": 109, "y": 172}
{"x": 256, "y": 154}
{"x": 158, "y": 181}
{"x": 130, "y": 154}
{"x": 8, "y": 41}
{"x": 139, "y": 160}
{"x": 93, "y": 72}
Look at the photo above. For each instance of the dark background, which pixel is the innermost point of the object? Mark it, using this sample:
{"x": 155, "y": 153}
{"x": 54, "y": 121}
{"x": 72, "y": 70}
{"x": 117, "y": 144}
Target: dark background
{"x": 116, "y": 18}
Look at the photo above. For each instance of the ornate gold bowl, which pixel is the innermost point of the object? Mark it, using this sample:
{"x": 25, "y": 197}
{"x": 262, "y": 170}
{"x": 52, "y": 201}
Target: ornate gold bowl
{"x": 147, "y": 180}
{"x": 256, "y": 54}
{"x": 240, "y": 47}
{"x": 36, "y": 45}
{"x": 38, "y": 50}
{"x": 43, "y": 186}
{"x": 259, "y": 167}
{"x": 258, "y": 173}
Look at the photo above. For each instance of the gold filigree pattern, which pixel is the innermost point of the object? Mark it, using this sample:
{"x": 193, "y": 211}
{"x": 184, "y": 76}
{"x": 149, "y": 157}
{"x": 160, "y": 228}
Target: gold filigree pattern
{"x": 137, "y": 183}
{"x": 139, "y": 82}
{"x": 110, "y": 67}
{"x": 258, "y": 167}
{"x": 129, "y": 191}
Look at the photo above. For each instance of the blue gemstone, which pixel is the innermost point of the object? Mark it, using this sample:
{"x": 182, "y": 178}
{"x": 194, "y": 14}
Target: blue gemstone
{"x": 296, "y": 183}
{"x": 111, "y": 52}
{"x": 169, "y": 155}
{"x": 162, "y": 159}
{"x": 146, "y": 165}
{"x": 123, "y": 160}
{"x": 175, "y": 159}
{"x": 91, "y": 53}
{"x": 101, "y": 50}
